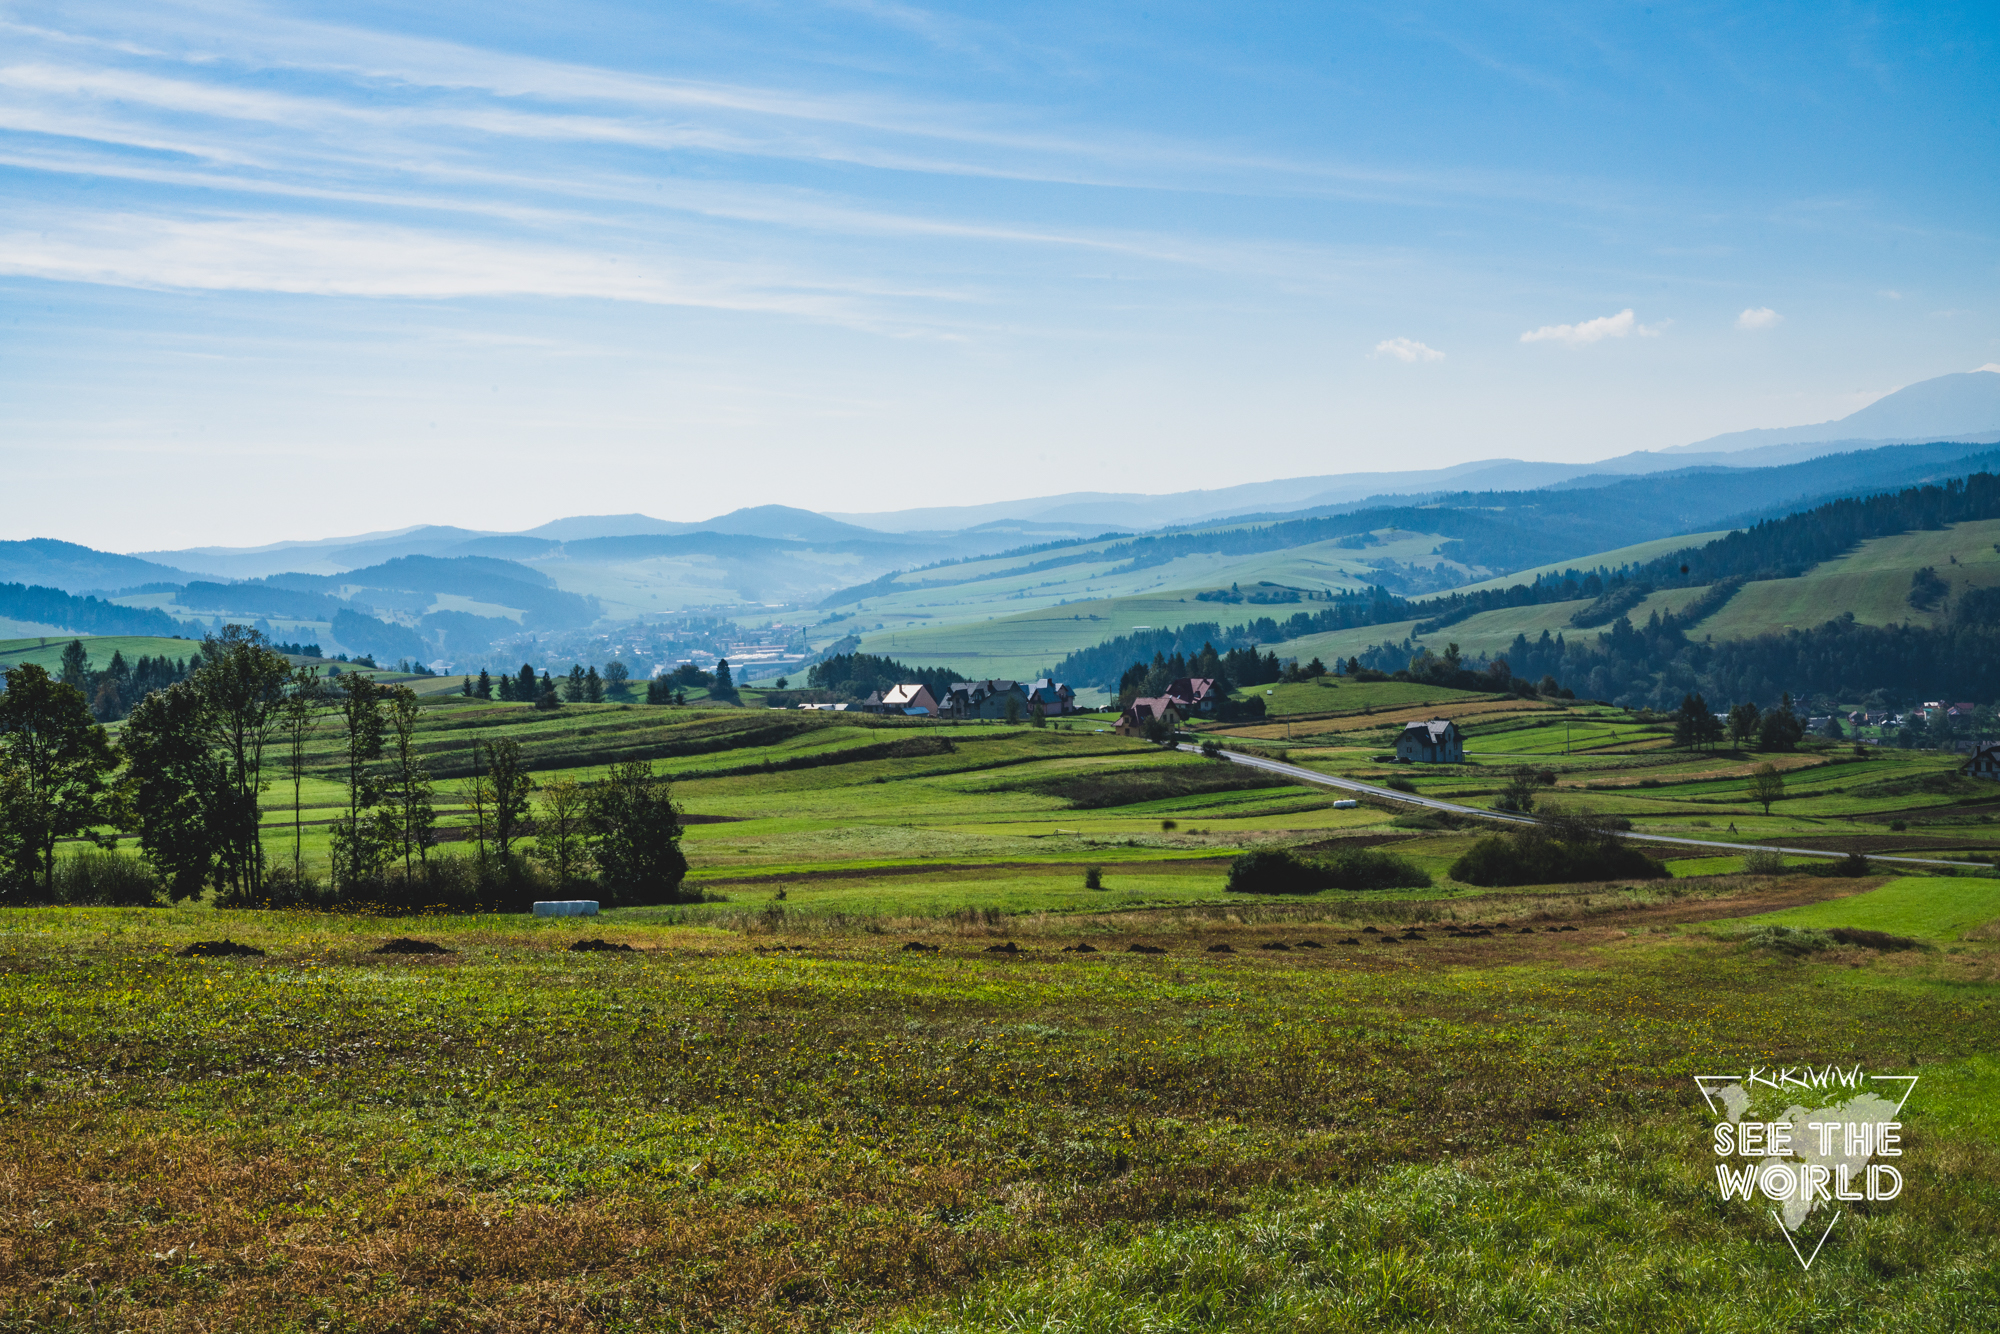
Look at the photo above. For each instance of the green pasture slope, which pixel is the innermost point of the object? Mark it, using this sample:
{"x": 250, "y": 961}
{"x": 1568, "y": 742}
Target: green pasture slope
{"x": 1922, "y": 906}
{"x": 1451, "y": 1131}
{"x": 46, "y": 651}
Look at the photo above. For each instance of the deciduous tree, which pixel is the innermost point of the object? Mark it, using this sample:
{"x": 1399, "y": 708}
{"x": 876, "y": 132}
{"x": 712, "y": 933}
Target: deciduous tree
{"x": 61, "y": 760}
{"x": 635, "y": 831}
{"x": 559, "y": 829}
{"x": 178, "y": 783}
{"x": 510, "y": 785}
{"x": 306, "y": 705}
{"x": 357, "y": 851}
{"x": 243, "y": 685}
{"x": 409, "y": 790}
{"x": 1766, "y": 785}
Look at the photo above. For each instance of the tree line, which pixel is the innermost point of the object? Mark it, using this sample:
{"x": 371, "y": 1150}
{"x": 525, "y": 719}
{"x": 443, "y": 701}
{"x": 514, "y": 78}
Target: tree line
{"x": 186, "y": 777}
{"x": 858, "y": 675}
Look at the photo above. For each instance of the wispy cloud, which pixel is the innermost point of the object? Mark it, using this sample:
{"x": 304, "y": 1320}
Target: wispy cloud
{"x": 1622, "y": 325}
{"x": 1407, "y": 349}
{"x": 1759, "y": 317}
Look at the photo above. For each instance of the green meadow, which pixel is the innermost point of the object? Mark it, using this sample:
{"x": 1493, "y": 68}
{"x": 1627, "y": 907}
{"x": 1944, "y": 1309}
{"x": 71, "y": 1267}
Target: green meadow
{"x": 1924, "y": 907}
{"x": 905, "y": 1069}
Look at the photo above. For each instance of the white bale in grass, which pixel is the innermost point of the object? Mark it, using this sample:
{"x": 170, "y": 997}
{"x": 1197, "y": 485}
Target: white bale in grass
{"x": 566, "y": 908}
{"x": 1347, "y": 804}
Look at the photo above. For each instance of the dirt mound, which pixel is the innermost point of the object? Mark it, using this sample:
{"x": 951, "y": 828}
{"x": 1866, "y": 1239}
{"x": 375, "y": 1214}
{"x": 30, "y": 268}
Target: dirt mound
{"x": 218, "y": 949}
{"x": 1274, "y": 945}
{"x": 406, "y": 945}
{"x": 1144, "y": 949}
{"x": 1009, "y": 948}
{"x": 1308, "y": 945}
{"x": 1349, "y": 940}
{"x": 1220, "y": 949}
{"x": 918, "y": 947}
{"x": 1388, "y": 940}
{"x": 599, "y": 947}
{"x": 1370, "y": 931}
{"x": 1079, "y": 949}
{"x": 1874, "y": 940}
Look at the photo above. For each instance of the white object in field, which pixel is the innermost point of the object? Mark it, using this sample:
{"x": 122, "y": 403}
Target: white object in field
{"x": 1346, "y": 804}
{"x": 566, "y": 908}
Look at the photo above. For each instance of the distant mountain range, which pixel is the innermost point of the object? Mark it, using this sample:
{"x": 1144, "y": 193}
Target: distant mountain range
{"x": 450, "y": 591}
{"x": 1963, "y": 408}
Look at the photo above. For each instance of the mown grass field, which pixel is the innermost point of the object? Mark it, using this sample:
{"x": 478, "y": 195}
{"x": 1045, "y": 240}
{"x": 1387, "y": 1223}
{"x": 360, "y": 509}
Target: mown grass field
{"x": 770, "y": 1114}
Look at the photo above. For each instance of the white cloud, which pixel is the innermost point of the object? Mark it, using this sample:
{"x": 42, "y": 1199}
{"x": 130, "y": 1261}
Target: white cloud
{"x": 1993, "y": 366}
{"x": 1759, "y": 317}
{"x": 1408, "y": 349}
{"x": 1890, "y": 294}
{"x": 1622, "y": 325}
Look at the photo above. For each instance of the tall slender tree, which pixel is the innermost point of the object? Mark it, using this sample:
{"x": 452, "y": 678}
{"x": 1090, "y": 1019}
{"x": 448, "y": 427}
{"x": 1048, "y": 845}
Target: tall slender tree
{"x": 508, "y": 780}
{"x": 559, "y": 829}
{"x": 306, "y": 705}
{"x": 359, "y": 701}
{"x": 410, "y": 785}
{"x": 75, "y": 669}
{"x": 243, "y": 684}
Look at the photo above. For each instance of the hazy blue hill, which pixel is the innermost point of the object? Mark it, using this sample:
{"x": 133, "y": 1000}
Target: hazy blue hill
{"x": 604, "y": 525}
{"x": 789, "y": 524}
{"x": 1949, "y": 405}
{"x": 76, "y": 569}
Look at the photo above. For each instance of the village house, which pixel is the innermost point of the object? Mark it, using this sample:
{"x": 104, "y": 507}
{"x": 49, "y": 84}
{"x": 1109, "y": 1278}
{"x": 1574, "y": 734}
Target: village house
{"x": 1985, "y": 763}
{"x": 1433, "y": 742}
{"x": 984, "y": 699}
{"x": 1197, "y": 694}
{"x": 1144, "y": 712}
{"x": 1050, "y": 698}
{"x": 912, "y": 699}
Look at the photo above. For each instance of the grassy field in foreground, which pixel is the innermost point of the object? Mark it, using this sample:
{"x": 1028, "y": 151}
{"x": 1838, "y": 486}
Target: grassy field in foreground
{"x": 707, "y": 1133}
{"x": 1164, "y": 1107}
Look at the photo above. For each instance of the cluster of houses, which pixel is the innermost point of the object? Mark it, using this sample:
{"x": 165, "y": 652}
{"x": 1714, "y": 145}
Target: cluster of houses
{"x": 993, "y": 700}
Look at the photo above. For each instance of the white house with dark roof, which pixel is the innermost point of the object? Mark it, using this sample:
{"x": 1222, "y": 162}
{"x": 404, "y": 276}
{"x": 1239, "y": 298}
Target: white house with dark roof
{"x": 1433, "y": 742}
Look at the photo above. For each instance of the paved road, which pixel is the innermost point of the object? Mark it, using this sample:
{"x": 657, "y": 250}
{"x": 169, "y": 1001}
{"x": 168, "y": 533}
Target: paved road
{"x": 1304, "y": 775}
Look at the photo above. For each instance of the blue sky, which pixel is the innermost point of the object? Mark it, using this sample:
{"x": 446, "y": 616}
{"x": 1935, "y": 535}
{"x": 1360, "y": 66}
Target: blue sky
{"x": 272, "y": 271}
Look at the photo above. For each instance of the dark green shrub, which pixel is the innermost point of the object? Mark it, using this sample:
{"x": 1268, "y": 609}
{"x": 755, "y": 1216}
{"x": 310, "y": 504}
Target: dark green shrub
{"x": 1093, "y": 877}
{"x": 1282, "y": 871}
{"x": 1532, "y": 858}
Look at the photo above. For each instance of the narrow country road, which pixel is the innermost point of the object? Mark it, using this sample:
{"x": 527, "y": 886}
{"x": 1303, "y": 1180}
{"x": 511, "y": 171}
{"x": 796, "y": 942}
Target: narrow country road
{"x": 1304, "y": 775}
